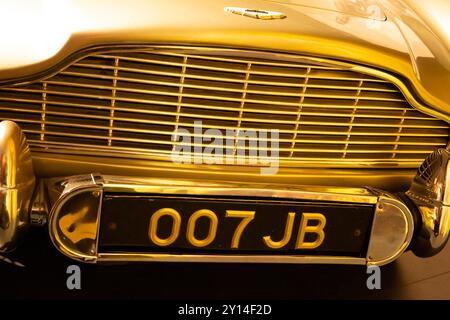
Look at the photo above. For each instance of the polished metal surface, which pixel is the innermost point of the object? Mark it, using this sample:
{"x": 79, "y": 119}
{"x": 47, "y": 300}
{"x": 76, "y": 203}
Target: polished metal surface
{"x": 357, "y": 89}
{"x": 74, "y": 220}
{"x": 54, "y": 164}
{"x": 201, "y": 188}
{"x": 255, "y": 13}
{"x": 16, "y": 185}
{"x": 430, "y": 192}
{"x": 128, "y": 103}
{"x": 392, "y": 231}
{"x": 126, "y": 257}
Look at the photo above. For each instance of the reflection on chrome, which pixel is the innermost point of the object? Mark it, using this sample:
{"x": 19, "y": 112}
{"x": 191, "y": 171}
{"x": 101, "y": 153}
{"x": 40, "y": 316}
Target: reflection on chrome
{"x": 12, "y": 262}
{"x": 430, "y": 191}
{"x": 16, "y": 185}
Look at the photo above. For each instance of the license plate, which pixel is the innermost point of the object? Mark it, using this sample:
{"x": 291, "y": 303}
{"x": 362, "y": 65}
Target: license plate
{"x": 210, "y": 225}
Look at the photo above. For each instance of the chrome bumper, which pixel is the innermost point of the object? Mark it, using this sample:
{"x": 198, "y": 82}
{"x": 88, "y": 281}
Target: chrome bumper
{"x": 431, "y": 195}
{"x": 79, "y": 199}
{"x": 16, "y": 185}
{"x": 391, "y": 234}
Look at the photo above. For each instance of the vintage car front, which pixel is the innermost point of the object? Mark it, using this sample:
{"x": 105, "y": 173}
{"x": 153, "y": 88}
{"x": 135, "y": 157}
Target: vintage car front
{"x": 281, "y": 131}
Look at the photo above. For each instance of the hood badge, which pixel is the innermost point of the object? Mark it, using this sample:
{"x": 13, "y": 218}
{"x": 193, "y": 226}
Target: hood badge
{"x": 256, "y": 14}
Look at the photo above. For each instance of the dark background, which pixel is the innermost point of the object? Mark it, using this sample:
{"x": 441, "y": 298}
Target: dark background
{"x": 44, "y": 277}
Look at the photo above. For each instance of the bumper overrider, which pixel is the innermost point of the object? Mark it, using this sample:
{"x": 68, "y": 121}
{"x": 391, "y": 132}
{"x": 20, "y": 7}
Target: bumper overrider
{"x": 86, "y": 213}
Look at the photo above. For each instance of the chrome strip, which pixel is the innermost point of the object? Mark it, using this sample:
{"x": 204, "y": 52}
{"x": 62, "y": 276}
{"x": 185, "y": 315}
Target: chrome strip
{"x": 164, "y": 186}
{"x": 124, "y": 257}
{"x": 56, "y": 165}
{"x": 99, "y": 152}
{"x": 392, "y": 231}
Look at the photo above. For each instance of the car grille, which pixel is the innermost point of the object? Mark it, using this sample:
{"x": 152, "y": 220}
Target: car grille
{"x": 129, "y": 102}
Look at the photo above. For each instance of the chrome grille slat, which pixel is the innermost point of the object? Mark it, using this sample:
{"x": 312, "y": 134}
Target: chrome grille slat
{"x": 43, "y": 110}
{"x": 206, "y": 106}
{"x": 304, "y": 140}
{"x": 197, "y": 66}
{"x": 132, "y": 151}
{"x": 229, "y": 59}
{"x": 352, "y": 119}
{"x": 241, "y": 106}
{"x": 255, "y": 82}
{"x": 113, "y": 102}
{"x": 204, "y": 97}
{"x": 299, "y": 113}
{"x": 131, "y": 102}
{"x": 399, "y": 131}
{"x": 243, "y": 62}
{"x": 169, "y": 143}
{"x": 180, "y": 94}
{"x": 143, "y": 71}
{"x": 206, "y": 117}
{"x": 209, "y": 88}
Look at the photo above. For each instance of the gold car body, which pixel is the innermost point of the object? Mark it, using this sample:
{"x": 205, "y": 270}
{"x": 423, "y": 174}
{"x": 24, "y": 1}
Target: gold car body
{"x": 403, "y": 43}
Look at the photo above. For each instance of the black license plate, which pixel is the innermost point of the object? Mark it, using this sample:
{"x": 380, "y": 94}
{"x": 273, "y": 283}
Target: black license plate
{"x": 202, "y": 225}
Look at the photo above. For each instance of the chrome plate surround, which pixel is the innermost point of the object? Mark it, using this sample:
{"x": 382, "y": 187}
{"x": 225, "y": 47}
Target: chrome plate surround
{"x": 77, "y": 207}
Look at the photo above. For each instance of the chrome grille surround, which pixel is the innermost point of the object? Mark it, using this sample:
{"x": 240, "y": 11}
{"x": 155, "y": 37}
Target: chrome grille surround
{"x": 128, "y": 103}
